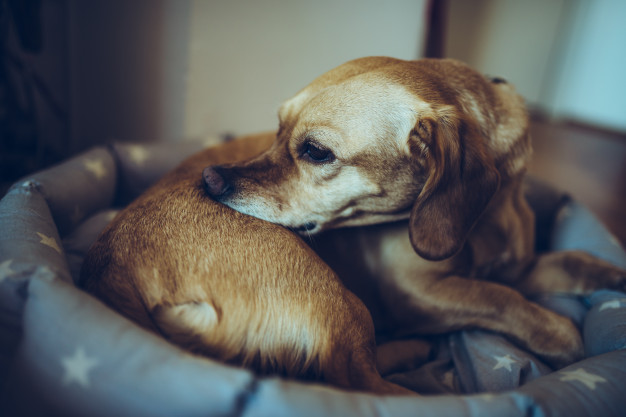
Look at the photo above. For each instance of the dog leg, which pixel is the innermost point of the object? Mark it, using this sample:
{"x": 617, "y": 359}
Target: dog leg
{"x": 398, "y": 355}
{"x": 351, "y": 361}
{"x": 455, "y": 303}
{"x": 360, "y": 369}
{"x": 574, "y": 272}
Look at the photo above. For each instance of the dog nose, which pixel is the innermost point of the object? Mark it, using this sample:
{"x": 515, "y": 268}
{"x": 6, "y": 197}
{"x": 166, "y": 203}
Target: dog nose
{"x": 215, "y": 183}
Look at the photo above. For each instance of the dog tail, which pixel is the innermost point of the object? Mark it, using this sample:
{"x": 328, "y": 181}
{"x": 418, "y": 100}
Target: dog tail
{"x": 187, "y": 324}
{"x": 261, "y": 343}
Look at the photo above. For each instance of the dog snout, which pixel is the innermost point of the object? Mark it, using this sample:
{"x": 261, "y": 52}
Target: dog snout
{"x": 216, "y": 183}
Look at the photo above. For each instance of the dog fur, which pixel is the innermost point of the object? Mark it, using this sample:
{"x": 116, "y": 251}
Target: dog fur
{"x": 230, "y": 286}
{"x": 378, "y": 140}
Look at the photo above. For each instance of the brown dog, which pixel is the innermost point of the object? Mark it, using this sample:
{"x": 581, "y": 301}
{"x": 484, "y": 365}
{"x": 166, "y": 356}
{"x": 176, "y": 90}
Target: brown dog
{"x": 231, "y": 286}
{"x": 379, "y": 139}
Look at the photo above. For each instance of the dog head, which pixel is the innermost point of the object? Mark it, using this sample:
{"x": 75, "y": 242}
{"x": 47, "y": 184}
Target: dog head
{"x": 377, "y": 140}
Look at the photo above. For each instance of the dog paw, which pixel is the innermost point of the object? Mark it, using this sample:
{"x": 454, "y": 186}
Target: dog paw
{"x": 592, "y": 273}
{"x": 560, "y": 344}
{"x": 611, "y": 277}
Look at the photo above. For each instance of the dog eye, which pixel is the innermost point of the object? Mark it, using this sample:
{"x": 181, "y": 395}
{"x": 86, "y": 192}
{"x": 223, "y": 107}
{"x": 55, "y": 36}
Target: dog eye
{"x": 316, "y": 154}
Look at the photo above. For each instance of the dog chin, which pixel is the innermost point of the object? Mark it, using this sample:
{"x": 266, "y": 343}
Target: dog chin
{"x": 260, "y": 212}
{"x": 308, "y": 229}
{"x": 368, "y": 219}
{"x": 365, "y": 219}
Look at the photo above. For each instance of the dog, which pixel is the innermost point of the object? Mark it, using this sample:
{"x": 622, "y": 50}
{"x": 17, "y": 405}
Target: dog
{"x": 377, "y": 141}
{"x": 230, "y": 286}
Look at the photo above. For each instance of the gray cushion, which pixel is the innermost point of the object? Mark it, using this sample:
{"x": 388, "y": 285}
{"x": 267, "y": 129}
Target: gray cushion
{"x": 65, "y": 353}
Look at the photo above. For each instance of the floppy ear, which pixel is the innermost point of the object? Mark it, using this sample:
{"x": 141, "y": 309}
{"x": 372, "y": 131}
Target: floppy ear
{"x": 461, "y": 180}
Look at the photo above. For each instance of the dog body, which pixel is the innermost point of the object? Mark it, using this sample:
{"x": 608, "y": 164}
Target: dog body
{"x": 378, "y": 140}
{"x": 231, "y": 286}
{"x": 410, "y": 296}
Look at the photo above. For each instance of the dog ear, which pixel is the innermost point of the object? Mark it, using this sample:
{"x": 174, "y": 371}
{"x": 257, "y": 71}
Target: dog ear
{"x": 461, "y": 180}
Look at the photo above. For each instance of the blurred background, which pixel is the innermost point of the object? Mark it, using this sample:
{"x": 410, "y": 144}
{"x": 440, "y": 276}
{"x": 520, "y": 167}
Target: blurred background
{"x": 75, "y": 74}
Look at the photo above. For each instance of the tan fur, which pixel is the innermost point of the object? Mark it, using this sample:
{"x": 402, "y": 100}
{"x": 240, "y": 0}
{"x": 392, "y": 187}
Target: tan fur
{"x": 380, "y": 139}
{"x": 230, "y": 286}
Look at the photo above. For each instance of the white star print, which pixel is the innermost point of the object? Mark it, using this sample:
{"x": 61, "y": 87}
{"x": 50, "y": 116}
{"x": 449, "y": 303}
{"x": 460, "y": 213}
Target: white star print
{"x": 49, "y": 241}
{"x": 138, "y": 154}
{"x": 615, "y": 241}
{"x": 582, "y": 376}
{"x": 5, "y": 270}
{"x": 46, "y": 273}
{"x": 487, "y": 397}
{"x": 448, "y": 379}
{"x": 76, "y": 368}
{"x": 565, "y": 212}
{"x": 504, "y": 362}
{"x": 611, "y": 304}
{"x": 96, "y": 167}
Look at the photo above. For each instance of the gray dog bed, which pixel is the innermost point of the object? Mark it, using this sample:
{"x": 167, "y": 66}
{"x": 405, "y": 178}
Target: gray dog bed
{"x": 63, "y": 353}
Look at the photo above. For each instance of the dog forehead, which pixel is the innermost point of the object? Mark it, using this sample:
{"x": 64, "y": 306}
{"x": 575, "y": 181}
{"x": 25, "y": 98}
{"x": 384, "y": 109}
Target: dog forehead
{"x": 363, "y": 108}
{"x": 370, "y": 90}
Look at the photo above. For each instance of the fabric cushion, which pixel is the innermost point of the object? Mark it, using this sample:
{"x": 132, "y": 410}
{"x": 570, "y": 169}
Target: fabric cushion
{"x": 65, "y": 353}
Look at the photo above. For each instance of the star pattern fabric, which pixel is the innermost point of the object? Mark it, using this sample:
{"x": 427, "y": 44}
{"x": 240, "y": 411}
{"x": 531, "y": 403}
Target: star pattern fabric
{"x": 97, "y": 357}
{"x": 607, "y": 305}
{"x": 44, "y": 272}
{"x": 138, "y": 154}
{"x": 76, "y": 368}
{"x": 96, "y": 167}
{"x": 5, "y": 269}
{"x": 487, "y": 397}
{"x": 580, "y": 375}
{"x": 615, "y": 241}
{"x": 49, "y": 241}
{"x": 448, "y": 379}
{"x": 504, "y": 362}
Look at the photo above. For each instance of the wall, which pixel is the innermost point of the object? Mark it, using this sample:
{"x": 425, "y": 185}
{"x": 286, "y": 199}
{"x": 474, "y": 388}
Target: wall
{"x": 166, "y": 69}
{"x": 589, "y": 78}
{"x": 246, "y": 57}
{"x": 567, "y": 57}
{"x": 507, "y": 38}
{"x": 117, "y": 67}
{"x": 34, "y": 86}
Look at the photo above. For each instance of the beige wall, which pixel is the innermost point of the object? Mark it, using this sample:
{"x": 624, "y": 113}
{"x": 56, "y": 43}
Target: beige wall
{"x": 567, "y": 57}
{"x": 150, "y": 70}
{"x": 117, "y": 70}
{"x": 508, "y": 38}
{"x": 589, "y": 74}
{"x": 247, "y": 56}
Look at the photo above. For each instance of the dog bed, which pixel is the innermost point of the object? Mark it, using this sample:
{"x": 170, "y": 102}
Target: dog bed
{"x": 63, "y": 353}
